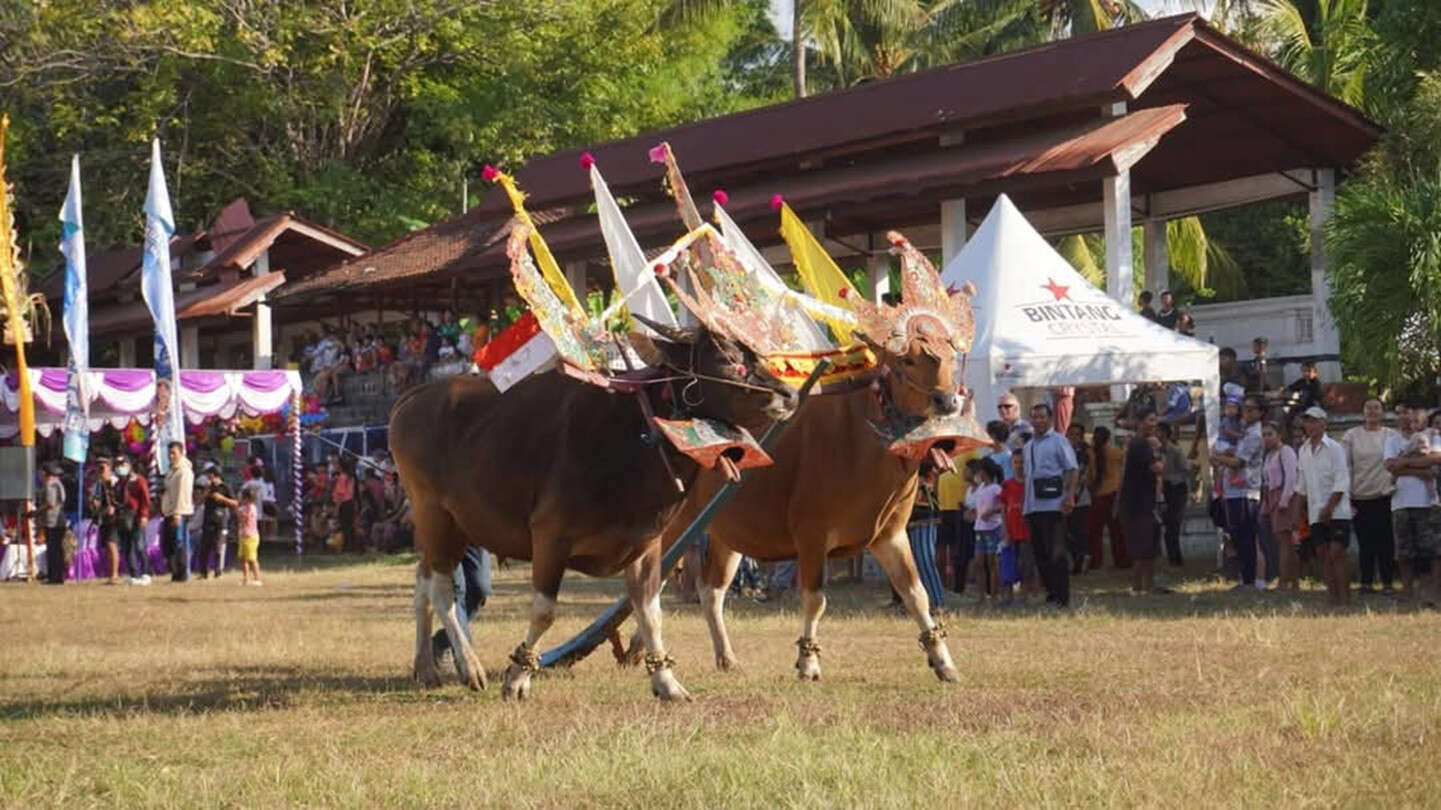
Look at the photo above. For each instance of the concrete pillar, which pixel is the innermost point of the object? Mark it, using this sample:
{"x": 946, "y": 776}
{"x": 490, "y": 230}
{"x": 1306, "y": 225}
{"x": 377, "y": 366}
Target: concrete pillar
{"x": 262, "y": 341}
{"x": 953, "y": 229}
{"x": 1327, "y": 337}
{"x": 878, "y": 272}
{"x": 127, "y": 351}
{"x": 1158, "y": 263}
{"x": 1116, "y": 192}
{"x": 189, "y": 346}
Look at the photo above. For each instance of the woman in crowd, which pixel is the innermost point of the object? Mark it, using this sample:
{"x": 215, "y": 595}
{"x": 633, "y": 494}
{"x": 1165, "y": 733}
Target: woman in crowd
{"x": 1371, "y": 488}
{"x": 1105, "y": 483}
{"x": 1280, "y": 505}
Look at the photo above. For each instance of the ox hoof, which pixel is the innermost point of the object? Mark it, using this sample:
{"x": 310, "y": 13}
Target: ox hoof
{"x": 426, "y": 674}
{"x": 665, "y": 686}
{"x": 475, "y": 676}
{"x": 726, "y": 662}
{"x": 948, "y": 674}
{"x": 808, "y": 668}
{"x": 517, "y": 684}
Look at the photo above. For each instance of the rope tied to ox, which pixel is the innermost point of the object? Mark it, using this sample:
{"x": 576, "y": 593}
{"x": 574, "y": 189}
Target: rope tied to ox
{"x": 807, "y": 647}
{"x": 525, "y": 658}
{"x": 655, "y": 662}
{"x": 932, "y": 638}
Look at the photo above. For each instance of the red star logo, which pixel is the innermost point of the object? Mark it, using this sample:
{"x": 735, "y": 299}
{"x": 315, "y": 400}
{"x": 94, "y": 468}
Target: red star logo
{"x": 1057, "y": 290}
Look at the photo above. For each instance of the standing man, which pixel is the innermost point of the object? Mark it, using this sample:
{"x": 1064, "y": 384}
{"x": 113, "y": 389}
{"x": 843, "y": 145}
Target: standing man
{"x": 1326, "y": 493}
{"x": 132, "y": 515}
{"x": 1050, "y": 496}
{"x": 177, "y": 504}
{"x": 1174, "y": 489}
{"x": 1414, "y": 516}
{"x": 1143, "y": 306}
{"x": 103, "y": 502}
{"x": 1256, "y": 370}
{"x": 1138, "y": 502}
{"x": 1009, "y": 409}
{"x": 52, "y": 519}
{"x": 1241, "y": 488}
{"x": 1167, "y": 315}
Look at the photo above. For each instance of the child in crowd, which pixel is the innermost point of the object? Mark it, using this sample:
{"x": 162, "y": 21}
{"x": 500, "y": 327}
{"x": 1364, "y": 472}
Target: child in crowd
{"x": 447, "y": 349}
{"x": 249, "y": 538}
{"x": 989, "y": 512}
{"x": 1016, "y": 558}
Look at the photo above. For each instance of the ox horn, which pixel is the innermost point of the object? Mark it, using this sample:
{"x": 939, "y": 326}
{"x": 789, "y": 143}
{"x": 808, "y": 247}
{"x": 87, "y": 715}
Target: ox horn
{"x": 674, "y": 334}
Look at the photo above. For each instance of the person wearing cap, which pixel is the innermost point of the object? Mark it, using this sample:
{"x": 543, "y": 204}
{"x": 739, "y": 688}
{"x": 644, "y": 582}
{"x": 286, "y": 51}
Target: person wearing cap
{"x": 1325, "y": 492}
{"x": 131, "y": 514}
{"x": 103, "y": 503}
{"x": 52, "y": 520}
{"x": 177, "y": 504}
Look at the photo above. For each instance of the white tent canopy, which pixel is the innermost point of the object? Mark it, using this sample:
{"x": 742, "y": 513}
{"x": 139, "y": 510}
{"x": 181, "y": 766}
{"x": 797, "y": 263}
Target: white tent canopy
{"x": 1039, "y": 324}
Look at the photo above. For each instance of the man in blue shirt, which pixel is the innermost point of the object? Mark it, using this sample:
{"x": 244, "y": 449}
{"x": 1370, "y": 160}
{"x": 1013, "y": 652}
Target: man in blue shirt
{"x": 1050, "y": 496}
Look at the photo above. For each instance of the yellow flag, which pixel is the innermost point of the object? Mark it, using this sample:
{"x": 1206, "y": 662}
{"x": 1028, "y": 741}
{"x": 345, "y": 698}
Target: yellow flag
{"x": 549, "y": 269}
{"x": 819, "y": 273}
{"x": 11, "y": 289}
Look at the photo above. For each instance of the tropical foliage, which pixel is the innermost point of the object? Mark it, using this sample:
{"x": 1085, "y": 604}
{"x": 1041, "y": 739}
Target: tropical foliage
{"x": 366, "y": 116}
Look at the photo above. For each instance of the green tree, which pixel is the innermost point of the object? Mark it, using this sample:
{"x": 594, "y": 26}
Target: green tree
{"x": 364, "y": 116}
{"x": 1326, "y": 42}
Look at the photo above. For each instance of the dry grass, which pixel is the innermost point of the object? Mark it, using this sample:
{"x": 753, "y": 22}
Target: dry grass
{"x": 297, "y": 694}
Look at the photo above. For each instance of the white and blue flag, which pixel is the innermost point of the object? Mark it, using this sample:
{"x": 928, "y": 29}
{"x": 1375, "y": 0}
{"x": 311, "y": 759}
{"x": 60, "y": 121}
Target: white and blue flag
{"x": 159, "y": 297}
{"x": 76, "y": 320}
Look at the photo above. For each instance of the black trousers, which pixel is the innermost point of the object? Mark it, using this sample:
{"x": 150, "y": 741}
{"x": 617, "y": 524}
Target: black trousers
{"x": 55, "y": 554}
{"x": 1048, "y": 541}
{"x": 1376, "y": 545}
{"x": 1077, "y": 539}
{"x": 1171, "y": 519}
{"x": 954, "y": 539}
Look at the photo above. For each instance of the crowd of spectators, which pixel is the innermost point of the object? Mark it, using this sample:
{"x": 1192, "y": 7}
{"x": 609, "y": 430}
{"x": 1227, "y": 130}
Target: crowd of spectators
{"x": 355, "y": 505}
{"x": 402, "y": 353}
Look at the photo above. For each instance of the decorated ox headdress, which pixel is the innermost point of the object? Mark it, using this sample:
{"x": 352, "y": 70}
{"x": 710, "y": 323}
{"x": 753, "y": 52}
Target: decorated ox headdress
{"x": 928, "y": 311}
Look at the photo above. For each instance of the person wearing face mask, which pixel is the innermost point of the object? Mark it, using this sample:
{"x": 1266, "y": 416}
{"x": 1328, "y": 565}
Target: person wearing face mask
{"x": 132, "y": 512}
{"x": 103, "y": 502}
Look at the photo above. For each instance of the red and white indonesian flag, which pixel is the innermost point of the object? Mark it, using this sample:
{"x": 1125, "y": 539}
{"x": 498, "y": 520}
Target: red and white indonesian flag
{"x": 516, "y": 353}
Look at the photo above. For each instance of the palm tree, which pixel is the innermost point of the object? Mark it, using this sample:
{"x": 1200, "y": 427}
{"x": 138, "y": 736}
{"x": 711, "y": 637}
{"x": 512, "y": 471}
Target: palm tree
{"x": 1328, "y": 42}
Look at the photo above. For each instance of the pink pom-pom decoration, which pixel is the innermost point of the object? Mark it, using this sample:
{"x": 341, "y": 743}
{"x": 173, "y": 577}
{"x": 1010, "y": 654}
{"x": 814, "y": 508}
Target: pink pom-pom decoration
{"x": 489, "y": 173}
{"x": 777, "y": 201}
{"x": 657, "y": 153}
{"x": 845, "y": 292}
{"x": 660, "y": 269}
{"x": 587, "y": 160}
{"x": 720, "y": 196}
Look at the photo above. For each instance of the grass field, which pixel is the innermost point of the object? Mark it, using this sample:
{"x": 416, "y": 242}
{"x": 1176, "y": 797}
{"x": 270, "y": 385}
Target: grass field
{"x": 297, "y": 694}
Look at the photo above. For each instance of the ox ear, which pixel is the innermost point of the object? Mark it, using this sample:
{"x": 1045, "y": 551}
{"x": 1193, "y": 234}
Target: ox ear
{"x": 673, "y": 334}
{"x": 877, "y": 349}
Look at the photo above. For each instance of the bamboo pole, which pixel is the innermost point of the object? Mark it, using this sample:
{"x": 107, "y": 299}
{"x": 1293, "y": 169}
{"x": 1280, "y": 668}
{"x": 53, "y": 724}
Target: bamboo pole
{"x": 10, "y": 269}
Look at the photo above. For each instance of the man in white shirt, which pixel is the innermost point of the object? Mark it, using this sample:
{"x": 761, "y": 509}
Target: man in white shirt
{"x": 1325, "y": 485}
{"x": 1408, "y": 458}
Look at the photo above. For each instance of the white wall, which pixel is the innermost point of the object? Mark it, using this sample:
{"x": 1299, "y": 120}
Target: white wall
{"x": 1288, "y": 322}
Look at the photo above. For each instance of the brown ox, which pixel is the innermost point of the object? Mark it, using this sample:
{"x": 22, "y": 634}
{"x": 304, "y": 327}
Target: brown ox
{"x": 559, "y": 472}
{"x": 834, "y": 490}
